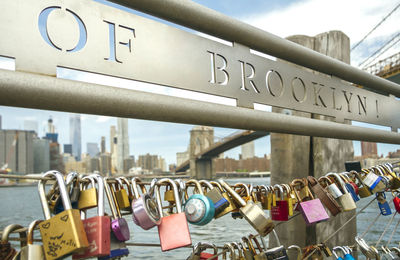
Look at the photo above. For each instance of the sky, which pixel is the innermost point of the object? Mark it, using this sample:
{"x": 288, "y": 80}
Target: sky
{"x": 280, "y": 17}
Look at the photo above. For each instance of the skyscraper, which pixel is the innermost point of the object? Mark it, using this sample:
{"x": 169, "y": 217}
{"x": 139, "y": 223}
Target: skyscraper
{"x": 247, "y": 150}
{"x": 122, "y": 143}
{"x": 0, "y": 122}
{"x": 75, "y": 135}
{"x": 92, "y": 149}
{"x": 103, "y": 144}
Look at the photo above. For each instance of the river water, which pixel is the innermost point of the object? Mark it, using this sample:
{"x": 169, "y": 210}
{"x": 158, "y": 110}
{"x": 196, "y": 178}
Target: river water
{"x": 21, "y": 205}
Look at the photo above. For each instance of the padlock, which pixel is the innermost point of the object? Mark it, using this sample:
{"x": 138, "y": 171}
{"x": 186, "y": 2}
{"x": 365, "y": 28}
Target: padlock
{"x": 383, "y": 204}
{"x": 72, "y": 182}
{"x": 262, "y": 194}
{"x": 291, "y": 203}
{"x": 6, "y": 251}
{"x": 169, "y": 195}
{"x": 312, "y": 252}
{"x": 199, "y": 209}
{"x": 396, "y": 202}
{"x": 145, "y": 212}
{"x": 299, "y": 251}
{"x": 388, "y": 171}
{"x": 261, "y": 254}
{"x": 239, "y": 254}
{"x": 129, "y": 188}
{"x": 253, "y": 214}
{"x": 363, "y": 190}
{"x": 325, "y": 197}
{"x": 312, "y": 210}
{"x": 232, "y": 205}
{"x": 220, "y": 203}
{"x": 121, "y": 195}
{"x": 243, "y": 191}
{"x": 349, "y": 187}
{"x": 173, "y": 230}
{"x": 346, "y": 201}
{"x": 330, "y": 186}
{"x": 248, "y": 249}
{"x": 97, "y": 228}
{"x": 280, "y": 212}
{"x": 229, "y": 248}
{"x": 254, "y": 197}
{"x": 32, "y": 251}
{"x": 373, "y": 181}
{"x": 88, "y": 197}
{"x": 119, "y": 226}
{"x": 279, "y": 252}
{"x": 199, "y": 254}
{"x": 62, "y": 234}
{"x": 324, "y": 248}
{"x": 364, "y": 247}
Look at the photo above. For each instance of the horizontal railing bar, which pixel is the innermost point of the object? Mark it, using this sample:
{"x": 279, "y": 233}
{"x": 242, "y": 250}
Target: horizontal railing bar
{"x": 21, "y": 89}
{"x": 200, "y": 18}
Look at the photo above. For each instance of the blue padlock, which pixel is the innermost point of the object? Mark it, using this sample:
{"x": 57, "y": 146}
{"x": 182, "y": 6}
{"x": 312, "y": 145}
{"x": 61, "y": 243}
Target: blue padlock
{"x": 383, "y": 204}
{"x": 336, "y": 248}
{"x": 351, "y": 190}
{"x": 199, "y": 209}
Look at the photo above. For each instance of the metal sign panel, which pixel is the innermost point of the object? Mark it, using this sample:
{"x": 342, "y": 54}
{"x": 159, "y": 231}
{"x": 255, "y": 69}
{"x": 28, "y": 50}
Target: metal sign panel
{"x": 89, "y": 36}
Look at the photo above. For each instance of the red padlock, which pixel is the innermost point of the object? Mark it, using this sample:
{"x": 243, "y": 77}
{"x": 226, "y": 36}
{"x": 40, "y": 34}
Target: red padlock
{"x": 280, "y": 212}
{"x": 173, "y": 230}
{"x": 396, "y": 202}
{"x": 97, "y": 228}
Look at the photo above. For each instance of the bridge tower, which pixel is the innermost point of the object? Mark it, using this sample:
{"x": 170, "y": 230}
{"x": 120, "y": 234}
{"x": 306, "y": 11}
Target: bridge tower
{"x": 201, "y": 137}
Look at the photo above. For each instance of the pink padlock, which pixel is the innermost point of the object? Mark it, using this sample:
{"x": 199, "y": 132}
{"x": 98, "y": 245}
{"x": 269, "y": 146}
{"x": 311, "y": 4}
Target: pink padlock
{"x": 312, "y": 210}
{"x": 97, "y": 228}
{"x": 173, "y": 230}
{"x": 145, "y": 212}
{"x": 119, "y": 226}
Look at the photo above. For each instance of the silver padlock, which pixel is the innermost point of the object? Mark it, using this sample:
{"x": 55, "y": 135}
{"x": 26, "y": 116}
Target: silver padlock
{"x": 32, "y": 251}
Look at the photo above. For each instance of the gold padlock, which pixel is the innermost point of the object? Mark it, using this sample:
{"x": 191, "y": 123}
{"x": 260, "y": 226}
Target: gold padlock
{"x": 88, "y": 197}
{"x": 63, "y": 233}
{"x": 121, "y": 195}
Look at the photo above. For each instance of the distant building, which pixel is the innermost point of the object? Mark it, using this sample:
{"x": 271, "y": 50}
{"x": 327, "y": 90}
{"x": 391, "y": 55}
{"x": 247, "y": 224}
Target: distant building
{"x": 129, "y": 163}
{"x": 56, "y": 159}
{"x": 68, "y": 148}
{"x": 147, "y": 161}
{"x": 0, "y": 123}
{"x": 394, "y": 154}
{"x": 92, "y": 149}
{"x": 103, "y": 144}
{"x": 53, "y": 137}
{"x": 245, "y": 165}
{"x": 113, "y": 148}
{"x": 50, "y": 126}
{"x": 75, "y": 135}
{"x": 369, "y": 149}
{"x": 248, "y": 150}
{"x": 16, "y": 150}
{"x": 105, "y": 164}
{"x": 122, "y": 143}
{"x": 113, "y": 135}
{"x": 31, "y": 125}
{"x": 41, "y": 155}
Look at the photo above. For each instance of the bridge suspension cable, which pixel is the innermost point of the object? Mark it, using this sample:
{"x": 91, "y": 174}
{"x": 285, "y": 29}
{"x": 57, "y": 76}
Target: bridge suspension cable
{"x": 376, "y": 26}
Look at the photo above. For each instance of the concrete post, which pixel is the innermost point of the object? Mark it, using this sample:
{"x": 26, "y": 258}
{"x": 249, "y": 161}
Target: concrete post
{"x": 299, "y": 156}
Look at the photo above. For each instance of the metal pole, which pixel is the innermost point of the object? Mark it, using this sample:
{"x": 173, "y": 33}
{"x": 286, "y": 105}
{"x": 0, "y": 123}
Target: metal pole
{"x": 203, "y": 19}
{"x": 21, "y": 89}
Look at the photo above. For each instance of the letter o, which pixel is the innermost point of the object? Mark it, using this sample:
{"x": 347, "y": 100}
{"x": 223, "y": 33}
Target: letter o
{"x": 274, "y": 83}
{"x": 299, "y": 91}
{"x": 42, "y": 23}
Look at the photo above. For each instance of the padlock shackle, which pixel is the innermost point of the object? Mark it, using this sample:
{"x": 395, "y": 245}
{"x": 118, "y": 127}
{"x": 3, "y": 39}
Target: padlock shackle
{"x": 298, "y": 249}
{"x": 10, "y": 228}
{"x": 338, "y": 180}
{"x": 127, "y": 184}
{"x": 197, "y": 187}
{"x": 111, "y": 201}
{"x": 100, "y": 204}
{"x": 245, "y": 187}
{"x": 254, "y": 238}
{"x": 43, "y": 199}
{"x": 278, "y": 187}
{"x": 92, "y": 182}
{"x": 231, "y": 250}
{"x": 31, "y": 229}
{"x": 233, "y": 193}
{"x": 135, "y": 183}
{"x": 207, "y": 184}
{"x": 176, "y": 193}
{"x": 63, "y": 190}
{"x": 217, "y": 185}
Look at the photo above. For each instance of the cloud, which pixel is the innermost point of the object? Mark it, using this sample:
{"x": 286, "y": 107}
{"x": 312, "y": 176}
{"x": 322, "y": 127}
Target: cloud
{"x": 103, "y": 119}
{"x": 355, "y": 18}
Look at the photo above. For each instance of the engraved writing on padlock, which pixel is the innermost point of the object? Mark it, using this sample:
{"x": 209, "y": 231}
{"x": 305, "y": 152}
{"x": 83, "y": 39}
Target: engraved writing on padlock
{"x": 64, "y": 233}
{"x": 280, "y": 212}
